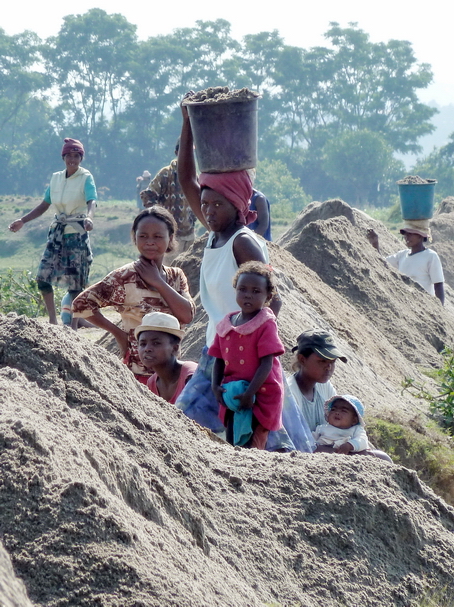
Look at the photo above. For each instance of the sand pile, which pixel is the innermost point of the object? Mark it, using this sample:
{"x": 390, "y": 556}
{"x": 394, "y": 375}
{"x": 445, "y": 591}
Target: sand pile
{"x": 220, "y": 94}
{"x": 109, "y": 496}
{"x": 12, "y": 590}
{"x": 442, "y": 227}
{"x": 330, "y": 238}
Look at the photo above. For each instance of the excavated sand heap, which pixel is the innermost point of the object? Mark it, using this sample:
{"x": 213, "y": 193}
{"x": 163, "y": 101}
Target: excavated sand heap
{"x": 109, "y": 496}
{"x": 442, "y": 228}
{"x": 330, "y": 238}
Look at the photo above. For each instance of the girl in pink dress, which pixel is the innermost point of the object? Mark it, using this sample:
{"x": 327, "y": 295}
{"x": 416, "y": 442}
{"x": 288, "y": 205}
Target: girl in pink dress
{"x": 246, "y": 348}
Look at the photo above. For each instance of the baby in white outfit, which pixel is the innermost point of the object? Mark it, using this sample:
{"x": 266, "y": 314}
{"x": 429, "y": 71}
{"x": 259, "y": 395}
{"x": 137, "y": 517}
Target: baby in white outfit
{"x": 345, "y": 428}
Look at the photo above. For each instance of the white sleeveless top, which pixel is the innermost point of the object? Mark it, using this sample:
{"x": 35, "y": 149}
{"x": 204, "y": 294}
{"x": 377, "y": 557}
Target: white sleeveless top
{"x": 218, "y": 268}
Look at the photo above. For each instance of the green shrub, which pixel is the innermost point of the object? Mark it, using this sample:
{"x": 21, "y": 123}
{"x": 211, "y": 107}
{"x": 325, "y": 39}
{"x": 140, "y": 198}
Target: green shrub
{"x": 442, "y": 403}
{"x": 438, "y": 597}
{"x": 19, "y": 293}
{"x": 427, "y": 451}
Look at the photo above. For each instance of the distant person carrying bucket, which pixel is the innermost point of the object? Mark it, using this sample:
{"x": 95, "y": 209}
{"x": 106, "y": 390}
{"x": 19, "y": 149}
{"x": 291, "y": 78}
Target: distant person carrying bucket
{"x": 420, "y": 264}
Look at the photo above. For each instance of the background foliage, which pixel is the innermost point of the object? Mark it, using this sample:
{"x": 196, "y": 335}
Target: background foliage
{"x": 332, "y": 116}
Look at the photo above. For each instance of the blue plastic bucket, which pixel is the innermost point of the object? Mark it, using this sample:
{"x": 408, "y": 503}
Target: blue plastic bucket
{"x": 417, "y": 200}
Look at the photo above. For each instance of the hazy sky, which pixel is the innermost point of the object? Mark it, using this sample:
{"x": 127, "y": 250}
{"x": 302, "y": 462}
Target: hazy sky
{"x": 429, "y": 29}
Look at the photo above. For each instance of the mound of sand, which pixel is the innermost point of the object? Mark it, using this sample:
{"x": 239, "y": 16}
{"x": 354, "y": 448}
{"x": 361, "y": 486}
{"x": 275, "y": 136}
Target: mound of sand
{"x": 12, "y": 590}
{"x": 330, "y": 238}
{"x": 442, "y": 227}
{"x": 110, "y": 496}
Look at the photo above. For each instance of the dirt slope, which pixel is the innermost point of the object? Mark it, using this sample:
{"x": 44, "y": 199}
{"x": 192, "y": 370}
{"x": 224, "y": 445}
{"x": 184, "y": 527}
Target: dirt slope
{"x": 330, "y": 238}
{"x": 109, "y": 496}
{"x": 442, "y": 227}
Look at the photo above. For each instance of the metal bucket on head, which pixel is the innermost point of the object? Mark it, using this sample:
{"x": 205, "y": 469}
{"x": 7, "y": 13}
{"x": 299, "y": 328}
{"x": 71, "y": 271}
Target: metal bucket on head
{"x": 225, "y": 134}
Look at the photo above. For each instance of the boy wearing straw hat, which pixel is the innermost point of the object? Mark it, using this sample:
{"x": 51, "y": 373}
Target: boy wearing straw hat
{"x": 159, "y": 336}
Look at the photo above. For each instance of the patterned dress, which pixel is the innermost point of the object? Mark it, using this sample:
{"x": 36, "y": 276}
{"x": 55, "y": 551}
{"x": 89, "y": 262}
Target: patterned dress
{"x": 67, "y": 257}
{"x": 125, "y": 291}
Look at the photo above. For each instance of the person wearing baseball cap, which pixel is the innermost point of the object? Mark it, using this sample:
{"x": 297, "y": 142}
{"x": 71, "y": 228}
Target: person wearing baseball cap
{"x": 158, "y": 337}
{"x": 315, "y": 360}
{"x": 320, "y": 342}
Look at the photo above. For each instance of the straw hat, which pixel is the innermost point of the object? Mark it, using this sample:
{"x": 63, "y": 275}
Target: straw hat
{"x": 158, "y": 321}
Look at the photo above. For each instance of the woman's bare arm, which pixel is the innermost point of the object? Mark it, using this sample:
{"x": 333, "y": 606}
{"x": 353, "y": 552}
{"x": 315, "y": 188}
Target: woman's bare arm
{"x": 187, "y": 174}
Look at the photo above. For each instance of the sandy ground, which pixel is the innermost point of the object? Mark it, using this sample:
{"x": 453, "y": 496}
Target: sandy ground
{"x": 110, "y": 496}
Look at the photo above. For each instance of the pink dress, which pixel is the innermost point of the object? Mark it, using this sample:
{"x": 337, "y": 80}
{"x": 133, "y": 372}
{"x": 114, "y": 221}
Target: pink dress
{"x": 241, "y": 348}
{"x": 187, "y": 371}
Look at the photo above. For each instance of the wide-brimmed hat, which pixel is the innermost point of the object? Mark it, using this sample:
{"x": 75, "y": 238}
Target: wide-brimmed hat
{"x": 417, "y": 226}
{"x": 352, "y": 400}
{"x": 159, "y": 321}
{"x": 423, "y": 233}
{"x": 146, "y": 174}
{"x": 321, "y": 342}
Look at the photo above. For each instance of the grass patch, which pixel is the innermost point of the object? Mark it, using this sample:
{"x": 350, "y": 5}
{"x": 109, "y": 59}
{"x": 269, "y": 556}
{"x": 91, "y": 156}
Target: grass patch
{"x": 437, "y": 597}
{"x": 426, "y": 449}
{"x": 19, "y": 293}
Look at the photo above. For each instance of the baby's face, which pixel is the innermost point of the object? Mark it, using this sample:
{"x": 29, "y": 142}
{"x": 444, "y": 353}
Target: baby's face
{"x": 342, "y": 415}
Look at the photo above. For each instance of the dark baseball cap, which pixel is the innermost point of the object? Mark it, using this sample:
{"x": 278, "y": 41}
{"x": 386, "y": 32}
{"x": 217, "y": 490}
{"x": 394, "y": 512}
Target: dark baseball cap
{"x": 321, "y": 342}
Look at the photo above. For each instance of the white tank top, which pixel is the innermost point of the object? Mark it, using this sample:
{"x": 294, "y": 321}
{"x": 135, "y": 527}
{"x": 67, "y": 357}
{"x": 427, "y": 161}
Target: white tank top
{"x": 218, "y": 268}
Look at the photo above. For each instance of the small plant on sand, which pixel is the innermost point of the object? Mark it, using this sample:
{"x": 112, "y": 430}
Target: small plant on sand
{"x": 442, "y": 403}
{"x": 416, "y": 445}
{"x": 19, "y": 293}
{"x": 438, "y": 597}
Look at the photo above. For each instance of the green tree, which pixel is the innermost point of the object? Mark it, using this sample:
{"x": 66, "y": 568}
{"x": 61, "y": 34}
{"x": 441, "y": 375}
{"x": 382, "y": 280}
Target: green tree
{"x": 19, "y": 81}
{"x": 354, "y": 85}
{"x": 25, "y": 117}
{"x": 89, "y": 61}
{"x": 374, "y": 86}
{"x": 360, "y": 159}
{"x": 351, "y": 87}
{"x": 276, "y": 182}
{"x": 163, "y": 70}
{"x": 254, "y": 66}
{"x": 439, "y": 165}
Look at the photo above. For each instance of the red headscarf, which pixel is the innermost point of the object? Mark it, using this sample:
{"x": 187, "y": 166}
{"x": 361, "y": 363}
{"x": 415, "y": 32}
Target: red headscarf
{"x": 236, "y": 187}
{"x": 72, "y": 145}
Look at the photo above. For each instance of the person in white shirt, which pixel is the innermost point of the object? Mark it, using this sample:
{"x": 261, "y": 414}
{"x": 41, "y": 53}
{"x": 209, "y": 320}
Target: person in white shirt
{"x": 420, "y": 264}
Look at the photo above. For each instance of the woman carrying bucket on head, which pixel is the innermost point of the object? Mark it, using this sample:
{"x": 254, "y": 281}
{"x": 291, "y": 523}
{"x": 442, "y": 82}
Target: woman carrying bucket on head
{"x": 221, "y": 202}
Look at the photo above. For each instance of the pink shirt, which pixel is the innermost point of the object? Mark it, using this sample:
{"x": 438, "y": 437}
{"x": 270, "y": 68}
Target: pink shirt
{"x": 187, "y": 371}
{"x": 241, "y": 348}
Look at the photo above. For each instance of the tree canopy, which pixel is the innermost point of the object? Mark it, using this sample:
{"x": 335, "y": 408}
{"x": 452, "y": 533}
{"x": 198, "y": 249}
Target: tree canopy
{"x": 332, "y": 115}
